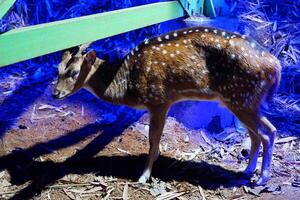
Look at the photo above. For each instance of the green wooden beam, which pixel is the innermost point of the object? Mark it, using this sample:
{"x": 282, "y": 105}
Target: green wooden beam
{"x": 5, "y": 6}
{"x": 29, "y": 42}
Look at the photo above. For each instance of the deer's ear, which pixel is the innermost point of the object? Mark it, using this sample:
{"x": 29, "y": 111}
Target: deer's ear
{"x": 66, "y": 55}
{"x": 90, "y": 57}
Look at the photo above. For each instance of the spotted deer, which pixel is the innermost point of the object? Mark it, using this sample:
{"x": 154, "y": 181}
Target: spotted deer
{"x": 197, "y": 63}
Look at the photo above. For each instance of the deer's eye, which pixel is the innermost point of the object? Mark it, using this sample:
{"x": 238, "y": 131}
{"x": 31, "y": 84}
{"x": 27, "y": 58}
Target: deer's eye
{"x": 74, "y": 74}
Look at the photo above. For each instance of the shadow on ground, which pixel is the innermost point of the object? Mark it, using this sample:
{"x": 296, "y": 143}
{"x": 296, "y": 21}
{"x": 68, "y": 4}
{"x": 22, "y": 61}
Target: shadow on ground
{"x": 29, "y": 90}
{"x": 23, "y": 167}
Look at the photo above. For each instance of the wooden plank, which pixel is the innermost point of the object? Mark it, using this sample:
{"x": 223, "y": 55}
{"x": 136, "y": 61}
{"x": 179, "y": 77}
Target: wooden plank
{"x": 192, "y": 7}
{"x": 5, "y": 6}
{"x": 209, "y": 9}
{"x": 29, "y": 42}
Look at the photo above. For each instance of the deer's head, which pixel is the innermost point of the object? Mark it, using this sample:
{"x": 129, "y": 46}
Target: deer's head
{"x": 74, "y": 71}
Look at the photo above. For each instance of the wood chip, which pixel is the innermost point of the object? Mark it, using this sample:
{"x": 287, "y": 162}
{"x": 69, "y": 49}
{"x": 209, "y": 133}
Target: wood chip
{"x": 201, "y": 192}
{"x": 285, "y": 140}
{"x": 169, "y": 195}
{"x": 125, "y": 192}
{"x": 124, "y": 151}
{"x": 69, "y": 194}
{"x": 2, "y": 174}
{"x": 108, "y": 194}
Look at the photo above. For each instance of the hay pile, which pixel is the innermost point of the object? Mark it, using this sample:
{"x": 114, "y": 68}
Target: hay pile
{"x": 275, "y": 24}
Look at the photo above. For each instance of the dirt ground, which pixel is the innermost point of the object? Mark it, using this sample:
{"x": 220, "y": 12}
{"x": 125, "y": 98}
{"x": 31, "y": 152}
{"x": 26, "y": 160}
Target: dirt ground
{"x": 82, "y": 148}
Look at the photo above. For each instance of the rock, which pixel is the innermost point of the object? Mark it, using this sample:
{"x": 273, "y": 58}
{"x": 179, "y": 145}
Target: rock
{"x": 21, "y": 126}
{"x": 106, "y": 119}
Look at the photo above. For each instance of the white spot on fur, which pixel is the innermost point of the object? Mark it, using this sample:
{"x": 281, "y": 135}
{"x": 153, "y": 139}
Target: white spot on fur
{"x": 177, "y": 45}
{"x": 167, "y": 37}
{"x": 223, "y": 33}
{"x": 169, "y": 44}
{"x": 206, "y": 30}
{"x": 159, "y": 39}
{"x": 185, "y": 32}
{"x": 215, "y": 31}
{"x": 177, "y": 52}
{"x": 172, "y": 55}
{"x": 146, "y": 41}
{"x": 197, "y": 30}
{"x": 164, "y": 51}
{"x": 190, "y": 31}
{"x": 184, "y": 41}
{"x": 163, "y": 64}
{"x": 175, "y": 34}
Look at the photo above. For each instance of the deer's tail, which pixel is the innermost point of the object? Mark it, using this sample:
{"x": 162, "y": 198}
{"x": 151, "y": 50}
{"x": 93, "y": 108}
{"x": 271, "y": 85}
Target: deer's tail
{"x": 275, "y": 84}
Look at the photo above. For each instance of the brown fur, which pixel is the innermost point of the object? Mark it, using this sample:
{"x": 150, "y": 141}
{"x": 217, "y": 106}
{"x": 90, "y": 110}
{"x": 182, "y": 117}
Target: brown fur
{"x": 195, "y": 63}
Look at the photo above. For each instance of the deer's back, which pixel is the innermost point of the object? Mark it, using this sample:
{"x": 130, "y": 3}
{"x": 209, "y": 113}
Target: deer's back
{"x": 200, "y": 63}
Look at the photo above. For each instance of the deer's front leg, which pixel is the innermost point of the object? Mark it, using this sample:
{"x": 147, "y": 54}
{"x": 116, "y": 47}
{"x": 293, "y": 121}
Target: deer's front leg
{"x": 157, "y": 121}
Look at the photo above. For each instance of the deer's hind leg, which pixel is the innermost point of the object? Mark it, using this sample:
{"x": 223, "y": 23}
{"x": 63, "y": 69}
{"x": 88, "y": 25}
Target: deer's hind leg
{"x": 254, "y": 151}
{"x": 267, "y": 137}
{"x": 260, "y": 130}
{"x": 251, "y": 120}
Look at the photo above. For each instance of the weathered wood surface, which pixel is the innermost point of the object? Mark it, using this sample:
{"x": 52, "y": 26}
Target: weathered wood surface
{"x": 29, "y": 42}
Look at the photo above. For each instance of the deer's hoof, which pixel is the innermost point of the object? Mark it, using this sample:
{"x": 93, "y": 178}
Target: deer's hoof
{"x": 261, "y": 181}
{"x": 143, "y": 179}
{"x": 247, "y": 173}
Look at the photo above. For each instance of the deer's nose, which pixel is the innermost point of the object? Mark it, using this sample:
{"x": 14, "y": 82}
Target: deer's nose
{"x": 58, "y": 94}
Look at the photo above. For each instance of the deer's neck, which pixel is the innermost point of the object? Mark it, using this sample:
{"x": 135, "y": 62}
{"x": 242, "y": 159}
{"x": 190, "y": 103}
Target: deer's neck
{"x": 109, "y": 83}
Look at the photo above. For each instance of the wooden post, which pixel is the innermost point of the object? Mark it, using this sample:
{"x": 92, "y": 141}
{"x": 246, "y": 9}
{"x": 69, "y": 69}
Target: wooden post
{"x": 209, "y": 9}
